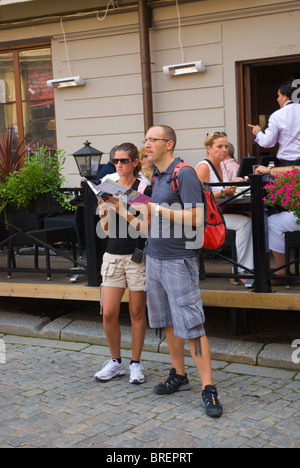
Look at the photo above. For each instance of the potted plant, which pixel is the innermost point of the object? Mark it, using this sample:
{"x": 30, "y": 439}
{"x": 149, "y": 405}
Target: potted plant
{"x": 285, "y": 191}
{"x": 25, "y": 188}
{"x": 9, "y": 163}
{"x": 9, "y": 159}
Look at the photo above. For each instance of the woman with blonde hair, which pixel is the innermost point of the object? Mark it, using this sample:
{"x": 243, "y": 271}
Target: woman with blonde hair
{"x": 213, "y": 171}
{"x": 147, "y": 168}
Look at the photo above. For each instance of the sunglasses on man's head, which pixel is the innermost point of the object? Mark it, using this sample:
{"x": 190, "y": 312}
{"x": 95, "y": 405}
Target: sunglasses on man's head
{"x": 217, "y": 134}
{"x": 122, "y": 161}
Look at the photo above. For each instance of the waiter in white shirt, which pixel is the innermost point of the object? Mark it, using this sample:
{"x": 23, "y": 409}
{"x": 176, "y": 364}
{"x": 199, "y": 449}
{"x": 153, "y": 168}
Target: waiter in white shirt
{"x": 283, "y": 128}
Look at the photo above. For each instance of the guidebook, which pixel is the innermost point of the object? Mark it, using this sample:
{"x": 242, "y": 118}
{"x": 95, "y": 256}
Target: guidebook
{"x": 109, "y": 188}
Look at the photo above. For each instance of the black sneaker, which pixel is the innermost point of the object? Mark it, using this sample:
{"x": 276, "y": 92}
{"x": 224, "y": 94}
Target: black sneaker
{"x": 174, "y": 383}
{"x": 211, "y": 403}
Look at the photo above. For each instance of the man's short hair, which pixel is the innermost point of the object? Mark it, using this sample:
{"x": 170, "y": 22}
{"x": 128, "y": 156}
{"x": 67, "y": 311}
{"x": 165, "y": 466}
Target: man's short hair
{"x": 168, "y": 133}
{"x": 286, "y": 89}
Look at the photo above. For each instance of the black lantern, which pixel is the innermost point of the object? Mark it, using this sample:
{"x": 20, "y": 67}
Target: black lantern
{"x": 88, "y": 160}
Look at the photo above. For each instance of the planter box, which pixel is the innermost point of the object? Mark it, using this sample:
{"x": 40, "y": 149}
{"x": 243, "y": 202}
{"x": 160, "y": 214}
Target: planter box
{"x": 46, "y": 204}
{"x": 42, "y": 205}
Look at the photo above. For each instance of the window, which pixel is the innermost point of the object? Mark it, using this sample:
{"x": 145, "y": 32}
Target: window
{"x": 26, "y": 102}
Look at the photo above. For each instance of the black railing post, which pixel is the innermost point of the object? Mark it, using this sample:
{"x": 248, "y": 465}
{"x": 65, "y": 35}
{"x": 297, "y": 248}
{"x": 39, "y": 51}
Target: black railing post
{"x": 93, "y": 242}
{"x": 261, "y": 257}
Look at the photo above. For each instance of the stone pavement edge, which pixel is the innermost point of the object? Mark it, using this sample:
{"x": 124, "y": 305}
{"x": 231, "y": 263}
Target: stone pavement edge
{"x": 66, "y": 328}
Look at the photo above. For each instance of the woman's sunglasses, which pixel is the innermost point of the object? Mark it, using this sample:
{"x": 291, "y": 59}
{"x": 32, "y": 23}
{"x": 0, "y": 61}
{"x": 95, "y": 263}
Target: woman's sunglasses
{"x": 122, "y": 161}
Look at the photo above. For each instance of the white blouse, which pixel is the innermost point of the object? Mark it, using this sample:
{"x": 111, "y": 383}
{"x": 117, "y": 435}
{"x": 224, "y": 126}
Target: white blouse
{"x": 213, "y": 178}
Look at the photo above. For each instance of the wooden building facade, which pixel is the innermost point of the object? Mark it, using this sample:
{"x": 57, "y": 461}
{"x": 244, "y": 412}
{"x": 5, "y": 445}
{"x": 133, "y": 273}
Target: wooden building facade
{"x": 248, "y": 48}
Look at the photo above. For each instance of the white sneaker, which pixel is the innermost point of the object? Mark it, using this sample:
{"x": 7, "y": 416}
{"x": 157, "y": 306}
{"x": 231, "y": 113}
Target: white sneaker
{"x": 136, "y": 373}
{"x": 250, "y": 283}
{"x": 110, "y": 369}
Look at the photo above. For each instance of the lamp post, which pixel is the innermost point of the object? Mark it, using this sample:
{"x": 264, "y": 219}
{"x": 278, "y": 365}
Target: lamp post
{"x": 88, "y": 160}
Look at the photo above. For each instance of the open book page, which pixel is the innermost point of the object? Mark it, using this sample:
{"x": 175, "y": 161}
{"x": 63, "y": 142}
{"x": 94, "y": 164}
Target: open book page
{"x": 109, "y": 188}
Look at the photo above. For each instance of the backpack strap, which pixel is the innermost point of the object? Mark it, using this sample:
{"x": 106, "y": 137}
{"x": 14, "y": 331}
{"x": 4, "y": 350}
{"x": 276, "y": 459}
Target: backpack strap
{"x": 174, "y": 179}
{"x": 153, "y": 180}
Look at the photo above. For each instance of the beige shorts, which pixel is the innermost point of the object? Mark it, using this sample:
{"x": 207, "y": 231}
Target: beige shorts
{"x": 119, "y": 271}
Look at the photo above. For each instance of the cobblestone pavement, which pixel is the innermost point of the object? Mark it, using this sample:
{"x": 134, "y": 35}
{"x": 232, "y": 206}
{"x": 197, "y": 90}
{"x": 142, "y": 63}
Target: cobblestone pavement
{"x": 48, "y": 398}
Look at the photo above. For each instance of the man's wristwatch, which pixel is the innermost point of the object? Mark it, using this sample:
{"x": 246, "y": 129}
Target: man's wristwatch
{"x": 222, "y": 193}
{"x": 156, "y": 211}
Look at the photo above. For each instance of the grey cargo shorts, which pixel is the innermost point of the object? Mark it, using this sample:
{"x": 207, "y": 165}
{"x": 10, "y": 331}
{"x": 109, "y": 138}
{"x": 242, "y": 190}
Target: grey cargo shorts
{"x": 173, "y": 296}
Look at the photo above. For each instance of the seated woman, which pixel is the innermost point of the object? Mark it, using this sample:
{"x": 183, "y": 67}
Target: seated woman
{"x": 231, "y": 165}
{"x": 278, "y": 225}
{"x": 217, "y": 149}
{"x": 120, "y": 270}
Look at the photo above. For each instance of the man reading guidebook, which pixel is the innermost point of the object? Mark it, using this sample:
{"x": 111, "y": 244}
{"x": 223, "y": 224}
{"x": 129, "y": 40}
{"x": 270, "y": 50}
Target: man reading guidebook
{"x": 172, "y": 267}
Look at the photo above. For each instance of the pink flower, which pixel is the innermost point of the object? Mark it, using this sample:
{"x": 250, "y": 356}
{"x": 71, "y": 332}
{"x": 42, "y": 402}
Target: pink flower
{"x": 285, "y": 191}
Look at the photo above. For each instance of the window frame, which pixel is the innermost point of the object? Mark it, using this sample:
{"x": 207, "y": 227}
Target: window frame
{"x": 15, "y": 49}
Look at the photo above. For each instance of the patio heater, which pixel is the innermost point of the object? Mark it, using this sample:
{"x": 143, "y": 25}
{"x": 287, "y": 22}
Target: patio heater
{"x": 88, "y": 160}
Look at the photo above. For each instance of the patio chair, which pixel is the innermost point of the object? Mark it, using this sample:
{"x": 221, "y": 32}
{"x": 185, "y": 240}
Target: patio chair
{"x": 236, "y": 315}
{"x": 230, "y": 242}
{"x": 48, "y": 236}
{"x": 73, "y": 220}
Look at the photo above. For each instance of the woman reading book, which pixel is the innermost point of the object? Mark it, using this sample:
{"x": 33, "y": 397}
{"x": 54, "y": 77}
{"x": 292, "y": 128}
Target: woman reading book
{"x": 123, "y": 268}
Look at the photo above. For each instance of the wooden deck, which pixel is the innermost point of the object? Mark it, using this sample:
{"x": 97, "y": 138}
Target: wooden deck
{"x": 215, "y": 292}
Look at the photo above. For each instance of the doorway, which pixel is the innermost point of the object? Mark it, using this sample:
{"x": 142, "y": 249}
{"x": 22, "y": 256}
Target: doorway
{"x": 258, "y": 83}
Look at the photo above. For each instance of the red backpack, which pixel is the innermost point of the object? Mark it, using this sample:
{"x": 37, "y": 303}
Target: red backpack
{"x": 214, "y": 223}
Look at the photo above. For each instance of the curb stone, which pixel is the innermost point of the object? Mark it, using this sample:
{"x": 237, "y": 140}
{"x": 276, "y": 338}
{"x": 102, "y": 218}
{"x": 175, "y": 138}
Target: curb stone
{"x": 68, "y": 329}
